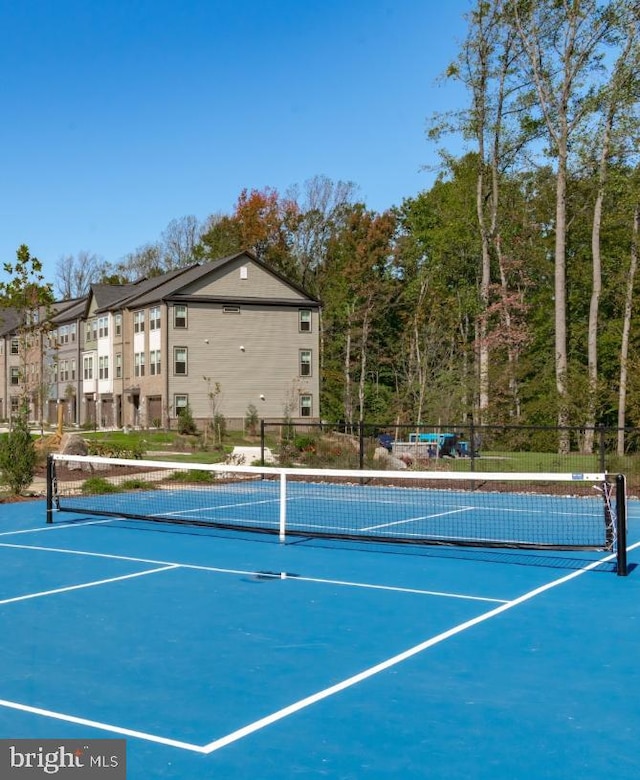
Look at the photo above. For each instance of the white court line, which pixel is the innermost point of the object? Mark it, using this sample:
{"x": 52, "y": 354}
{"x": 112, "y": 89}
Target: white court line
{"x": 215, "y": 507}
{"x": 285, "y": 712}
{"x": 57, "y": 527}
{"x": 423, "y": 517}
{"x": 396, "y": 659}
{"x": 245, "y": 572}
{"x": 13, "y": 705}
{"x": 68, "y": 588}
{"x": 442, "y": 594}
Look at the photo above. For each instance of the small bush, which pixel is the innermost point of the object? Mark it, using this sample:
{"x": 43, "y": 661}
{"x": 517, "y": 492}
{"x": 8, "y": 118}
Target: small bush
{"x": 138, "y": 484}
{"x": 108, "y": 449}
{"x": 192, "y": 475}
{"x": 18, "y": 456}
{"x": 98, "y": 486}
{"x": 186, "y": 423}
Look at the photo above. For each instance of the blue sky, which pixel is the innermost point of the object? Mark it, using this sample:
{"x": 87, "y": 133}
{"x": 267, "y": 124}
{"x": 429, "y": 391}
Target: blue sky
{"x": 119, "y": 116}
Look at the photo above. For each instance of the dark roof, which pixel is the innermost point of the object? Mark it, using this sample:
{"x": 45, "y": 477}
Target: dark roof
{"x": 172, "y": 287}
{"x": 122, "y": 293}
{"x": 9, "y": 320}
{"x": 72, "y": 309}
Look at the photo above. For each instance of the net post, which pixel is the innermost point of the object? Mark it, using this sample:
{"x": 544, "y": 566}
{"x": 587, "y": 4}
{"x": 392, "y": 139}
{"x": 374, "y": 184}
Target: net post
{"x": 50, "y": 477}
{"x": 283, "y": 506}
{"x": 621, "y": 526}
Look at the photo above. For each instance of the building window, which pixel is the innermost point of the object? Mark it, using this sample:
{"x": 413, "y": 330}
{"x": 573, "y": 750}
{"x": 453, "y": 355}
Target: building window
{"x": 180, "y": 316}
{"x": 180, "y": 361}
{"x": 117, "y": 324}
{"x": 103, "y": 367}
{"x": 154, "y": 362}
{"x": 88, "y": 367}
{"x": 15, "y": 346}
{"x": 304, "y": 320}
{"x": 64, "y": 370}
{"x": 103, "y": 327}
{"x": 15, "y": 404}
{"x": 305, "y": 362}
{"x": 15, "y": 375}
{"x": 91, "y": 331}
{"x": 180, "y": 403}
{"x": 305, "y": 406}
{"x": 119, "y": 365}
{"x": 154, "y": 318}
{"x": 73, "y": 369}
{"x": 138, "y": 364}
{"x": 138, "y": 322}
{"x": 72, "y": 331}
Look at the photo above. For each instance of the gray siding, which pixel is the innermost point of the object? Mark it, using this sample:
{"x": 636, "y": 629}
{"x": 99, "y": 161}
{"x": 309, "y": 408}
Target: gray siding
{"x": 253, "y": 353}
{"x": 227, "y": 281}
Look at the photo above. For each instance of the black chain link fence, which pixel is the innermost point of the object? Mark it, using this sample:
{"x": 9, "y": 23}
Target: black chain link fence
{"x": 455, "y": 447}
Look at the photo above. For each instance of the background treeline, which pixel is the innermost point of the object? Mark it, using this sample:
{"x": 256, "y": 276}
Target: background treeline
{"x": 504, "y": 293}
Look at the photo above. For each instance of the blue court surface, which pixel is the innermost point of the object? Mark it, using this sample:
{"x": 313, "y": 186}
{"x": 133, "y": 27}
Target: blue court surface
{"x": 217, "y": 654}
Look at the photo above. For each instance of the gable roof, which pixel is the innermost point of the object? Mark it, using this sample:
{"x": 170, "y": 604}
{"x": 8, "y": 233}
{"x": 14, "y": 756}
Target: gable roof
{"x": 117, "y": 296}
{"x": 171, "y": 288}
{"x": 71, "y": 309}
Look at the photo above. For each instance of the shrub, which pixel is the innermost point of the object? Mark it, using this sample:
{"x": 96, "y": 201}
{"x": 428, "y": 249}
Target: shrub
{"x": 191, "y": 475}
{"x": 98, "y": 485}
{"x": 18, "y": 456}
{"x": 251, "y": 420}
{"x": 135, "y": 483}
{"x": 186, "y": 423}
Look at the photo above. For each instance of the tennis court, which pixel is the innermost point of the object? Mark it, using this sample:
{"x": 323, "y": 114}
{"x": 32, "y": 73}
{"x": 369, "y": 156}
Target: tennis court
{"x": 222, "y": 653}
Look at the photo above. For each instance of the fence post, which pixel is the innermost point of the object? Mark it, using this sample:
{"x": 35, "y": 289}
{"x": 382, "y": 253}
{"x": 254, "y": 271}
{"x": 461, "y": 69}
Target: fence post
{"x": 262, "y": 441}
{"x": 601, "y": 448}
{"x": 361, "y": 442}
{"x": 472, "y": 444}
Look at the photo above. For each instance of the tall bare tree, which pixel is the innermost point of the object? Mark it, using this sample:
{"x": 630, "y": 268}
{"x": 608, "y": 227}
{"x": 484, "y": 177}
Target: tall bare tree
{"x": 563, "y": 45}
{"x": 75, "y": 273}
{"x": 614, "y": 133}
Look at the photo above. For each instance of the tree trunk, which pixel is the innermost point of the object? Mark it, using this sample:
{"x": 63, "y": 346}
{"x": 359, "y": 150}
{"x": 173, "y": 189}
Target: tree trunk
{"x": 626, "y": 328}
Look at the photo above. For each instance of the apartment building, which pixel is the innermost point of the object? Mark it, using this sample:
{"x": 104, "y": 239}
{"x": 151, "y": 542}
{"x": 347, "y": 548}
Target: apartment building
{"x": 220, "y": 337}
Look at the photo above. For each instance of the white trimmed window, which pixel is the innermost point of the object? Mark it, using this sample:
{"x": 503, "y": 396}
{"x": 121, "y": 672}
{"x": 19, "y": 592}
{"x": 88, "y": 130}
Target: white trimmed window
{"x": 304, "y": 320}
{"x": 180, "y": 403}
{"x": 305, "y": 362}
{"x": 138, "y": 364}
{"x": 154, "y": 362}
{"x": 138, "y": 322}
{"x": 154, "y": 318}
{"x": 180, "y": 315}
{"x": 87, "y": 363}
{"x": 305, "y": 406}
{"x": 103, "y": 367}
{"x": 180, "y": 364}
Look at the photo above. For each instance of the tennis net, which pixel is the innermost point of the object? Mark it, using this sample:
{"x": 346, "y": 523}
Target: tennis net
{"x": 526, "y": 510}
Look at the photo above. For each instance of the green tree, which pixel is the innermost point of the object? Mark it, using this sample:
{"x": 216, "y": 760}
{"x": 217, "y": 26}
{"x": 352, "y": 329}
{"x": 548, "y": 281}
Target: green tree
{"x": 30, "y": 301}
{"x": 18, "y": 455}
